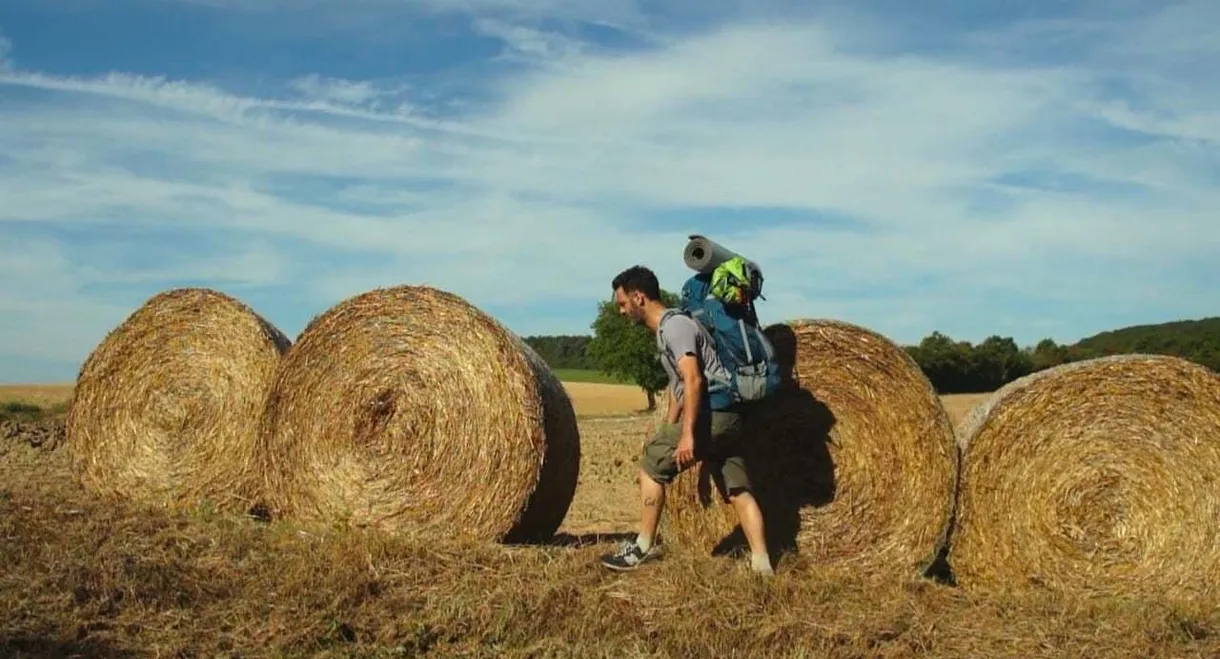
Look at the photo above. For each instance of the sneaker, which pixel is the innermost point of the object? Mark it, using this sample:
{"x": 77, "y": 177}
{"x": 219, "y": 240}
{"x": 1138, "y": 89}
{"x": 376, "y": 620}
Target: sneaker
{"x": 766, "y": 572}
{"x": 762, "y": 567}
{"x": 629, "y": 556}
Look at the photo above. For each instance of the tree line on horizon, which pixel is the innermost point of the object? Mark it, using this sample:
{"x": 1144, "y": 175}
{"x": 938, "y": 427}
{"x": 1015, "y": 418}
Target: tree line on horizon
{"x": 628, "y": 353}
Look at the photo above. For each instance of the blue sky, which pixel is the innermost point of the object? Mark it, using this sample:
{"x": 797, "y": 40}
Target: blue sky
{"x": 1047, "y": 168}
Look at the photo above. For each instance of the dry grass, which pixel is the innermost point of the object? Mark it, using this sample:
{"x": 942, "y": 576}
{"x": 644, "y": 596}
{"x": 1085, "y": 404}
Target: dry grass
{"x": 852, "y": 464}
{"x": 1099, "y": 475}
{"x": 166, "y": 407}
{"x": 409, "y": 409}
{"x": 82, "y": 576}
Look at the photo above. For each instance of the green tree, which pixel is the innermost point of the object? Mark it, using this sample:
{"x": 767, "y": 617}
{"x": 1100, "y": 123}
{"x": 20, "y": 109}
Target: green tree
{"x": 628, "y": 351}
{"x": 998, "y": 361}
{"x": 946, "y": 362}
{"x": 562, "y": 351}
{"x": 959, "y": 367}
{"x": 1048, "y": 354}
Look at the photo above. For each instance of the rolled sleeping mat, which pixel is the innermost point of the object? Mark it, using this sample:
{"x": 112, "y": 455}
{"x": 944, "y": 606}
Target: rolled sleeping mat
{"x": 704, "y": 255}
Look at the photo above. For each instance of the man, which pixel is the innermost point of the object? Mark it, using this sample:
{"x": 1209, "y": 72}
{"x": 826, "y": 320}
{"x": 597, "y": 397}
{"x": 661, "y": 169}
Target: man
{"x": 692, "y": 430}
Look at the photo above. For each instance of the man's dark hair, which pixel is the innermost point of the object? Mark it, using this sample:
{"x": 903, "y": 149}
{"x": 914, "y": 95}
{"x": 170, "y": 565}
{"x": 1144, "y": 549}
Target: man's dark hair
{"x": 638, "y": 279}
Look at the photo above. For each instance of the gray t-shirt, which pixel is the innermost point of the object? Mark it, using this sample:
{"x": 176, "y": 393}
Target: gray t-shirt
{"x": 681, "y": 335}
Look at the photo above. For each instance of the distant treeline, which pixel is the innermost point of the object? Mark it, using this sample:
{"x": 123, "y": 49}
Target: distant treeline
{"x": 566, "y": 352}
{"x": 959, "y": 367}
{"x": 962, "y": 367}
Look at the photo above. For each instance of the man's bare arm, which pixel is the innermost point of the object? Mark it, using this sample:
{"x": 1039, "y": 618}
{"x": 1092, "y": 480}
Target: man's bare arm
{"x": 673, "y": 411}
{"x": 692, "y": 382}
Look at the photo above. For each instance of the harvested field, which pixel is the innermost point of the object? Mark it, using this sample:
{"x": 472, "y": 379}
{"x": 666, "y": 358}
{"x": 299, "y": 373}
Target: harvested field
{"x": 588, "y": 399}
{"x": 103, "y": 580}
{"x": 591, "y": 399}
{"x": 959, "y": 405}
{"x": 42, "y": 395}
{"x": 1102, "y": 475}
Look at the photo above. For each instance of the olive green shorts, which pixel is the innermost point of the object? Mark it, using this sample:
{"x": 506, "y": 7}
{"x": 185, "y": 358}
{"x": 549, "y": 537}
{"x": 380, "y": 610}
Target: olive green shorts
{"x": 717, "y": 446}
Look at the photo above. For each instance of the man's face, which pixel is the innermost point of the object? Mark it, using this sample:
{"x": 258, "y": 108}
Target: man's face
{"x": 630, "y": 305}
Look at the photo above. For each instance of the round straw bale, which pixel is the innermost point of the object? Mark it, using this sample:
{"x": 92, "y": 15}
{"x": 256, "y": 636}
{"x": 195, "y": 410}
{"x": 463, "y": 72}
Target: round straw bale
{"x": 410, "y": 410}
{"x": 166, "y": 408}
{"x": 852, "y": 461}
{"x": 1099, "y": 474}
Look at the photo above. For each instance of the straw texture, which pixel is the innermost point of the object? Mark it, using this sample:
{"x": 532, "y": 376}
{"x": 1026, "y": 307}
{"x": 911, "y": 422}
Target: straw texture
{"x": 166, "y": 408}
{"x": 1102, "y": 474}
{"x": 853, "y": 462}
{"x": 410, "y": 410}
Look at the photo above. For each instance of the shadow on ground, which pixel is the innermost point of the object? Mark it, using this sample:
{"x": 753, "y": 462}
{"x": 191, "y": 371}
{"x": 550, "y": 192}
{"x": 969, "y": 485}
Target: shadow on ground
{"x": 29, "y": 647}
{"x": 589, "y": 539}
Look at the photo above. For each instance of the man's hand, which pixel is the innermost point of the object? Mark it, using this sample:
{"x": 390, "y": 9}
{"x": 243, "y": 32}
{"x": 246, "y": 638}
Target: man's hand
{"x": 685, "y": 453}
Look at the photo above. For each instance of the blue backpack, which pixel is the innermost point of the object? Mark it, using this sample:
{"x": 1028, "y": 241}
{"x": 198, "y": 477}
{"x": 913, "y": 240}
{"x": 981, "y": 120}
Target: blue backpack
{"x": 751, "y": 371}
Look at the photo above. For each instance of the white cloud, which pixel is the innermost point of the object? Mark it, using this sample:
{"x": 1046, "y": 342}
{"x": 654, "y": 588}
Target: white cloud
{"x": 565, "y": 170}
{"x": 609, "y": 12}
{"x": 6, "y": 48}
{"x": 527, "y": 44}
{"x": 349, "y": 93}
{"x": 203, "y": 100}
{"x": 46, "y": 316}
{"x": 770, "y": 116}
{"x": 53, "y": 315}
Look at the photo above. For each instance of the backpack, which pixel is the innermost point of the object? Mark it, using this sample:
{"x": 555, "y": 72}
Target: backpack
{"x": 722, "y": 301}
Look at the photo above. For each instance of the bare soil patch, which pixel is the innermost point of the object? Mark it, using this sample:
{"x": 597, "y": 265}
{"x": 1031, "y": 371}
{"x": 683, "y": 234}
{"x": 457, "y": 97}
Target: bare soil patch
{"x": 607, "y": 497}
{"x": 47, "y": 433}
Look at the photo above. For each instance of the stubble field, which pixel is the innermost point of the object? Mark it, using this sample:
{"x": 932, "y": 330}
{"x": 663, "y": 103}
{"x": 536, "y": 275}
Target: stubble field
{"x": 83, "y": 577}
{"x": 591, "y": 399}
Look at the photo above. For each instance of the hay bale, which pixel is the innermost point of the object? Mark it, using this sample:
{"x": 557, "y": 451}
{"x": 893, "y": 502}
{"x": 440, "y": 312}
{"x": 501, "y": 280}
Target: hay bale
{"x": 854, "y": 461}
{"x": 410, "y": 410}
{"x": 1102, "y": 474}
{"x": 166, "y": 408}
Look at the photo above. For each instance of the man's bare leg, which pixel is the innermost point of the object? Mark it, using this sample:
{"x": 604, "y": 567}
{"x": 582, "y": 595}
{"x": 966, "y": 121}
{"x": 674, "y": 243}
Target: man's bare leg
{"x": 750, "y": 516}
{"x": 652, "y": 498}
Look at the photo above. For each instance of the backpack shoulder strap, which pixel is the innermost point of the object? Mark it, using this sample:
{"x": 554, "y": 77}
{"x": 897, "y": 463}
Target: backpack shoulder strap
{"x": 768, "y": 348}
{"x": 669, "y": 313}
{"x": 745, "y": 340}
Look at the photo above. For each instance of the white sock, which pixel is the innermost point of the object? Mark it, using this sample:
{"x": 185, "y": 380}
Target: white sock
{"x": 760, "y": 563}
{"x": 644, "y": 542}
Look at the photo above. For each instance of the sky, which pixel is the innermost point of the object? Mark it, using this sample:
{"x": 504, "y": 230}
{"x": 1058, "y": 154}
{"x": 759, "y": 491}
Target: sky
{"x": 1048, "y": 168}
